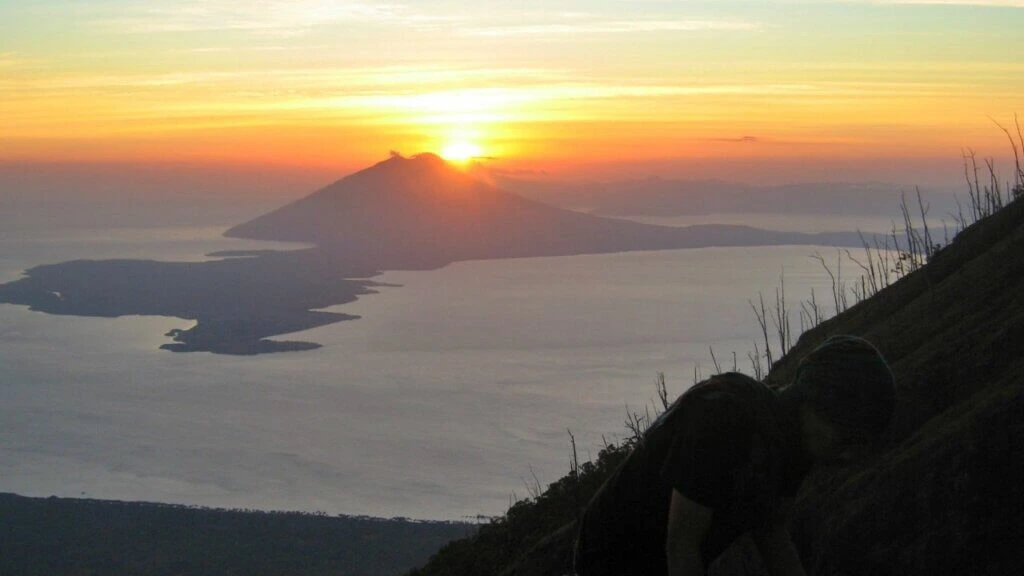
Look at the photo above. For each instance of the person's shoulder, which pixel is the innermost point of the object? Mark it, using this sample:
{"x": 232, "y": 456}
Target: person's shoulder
{"x": 729, "y": 395}
{"x": 734, "y": 397}
{"x": 729, "y": 386}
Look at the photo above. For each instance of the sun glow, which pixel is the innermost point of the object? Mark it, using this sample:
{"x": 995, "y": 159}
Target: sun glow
{"x": 460, "y": 151}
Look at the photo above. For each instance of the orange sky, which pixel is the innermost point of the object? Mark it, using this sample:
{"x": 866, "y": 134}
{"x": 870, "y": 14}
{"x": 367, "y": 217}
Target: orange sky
{"x": 337, "y": 84}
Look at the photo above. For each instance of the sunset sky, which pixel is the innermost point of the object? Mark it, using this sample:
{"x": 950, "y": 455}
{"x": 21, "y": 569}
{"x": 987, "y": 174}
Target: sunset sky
{"x": 535, "y": 85}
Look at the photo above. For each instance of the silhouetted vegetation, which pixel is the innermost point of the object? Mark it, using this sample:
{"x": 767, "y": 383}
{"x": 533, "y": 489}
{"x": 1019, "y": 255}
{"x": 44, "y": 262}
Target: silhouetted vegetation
{"x": 529, "y": 524}
{"x": 54, "y": 536}
{"x": 887, "y": 258}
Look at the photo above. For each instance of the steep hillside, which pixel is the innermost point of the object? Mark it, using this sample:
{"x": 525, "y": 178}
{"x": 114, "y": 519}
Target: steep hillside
{"x": 943, "y": 497}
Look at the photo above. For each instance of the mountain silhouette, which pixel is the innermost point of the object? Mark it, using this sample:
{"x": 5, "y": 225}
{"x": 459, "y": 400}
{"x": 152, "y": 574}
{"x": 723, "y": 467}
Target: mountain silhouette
{"x": 422, "y": 208}
{"x": 668, "y": 197}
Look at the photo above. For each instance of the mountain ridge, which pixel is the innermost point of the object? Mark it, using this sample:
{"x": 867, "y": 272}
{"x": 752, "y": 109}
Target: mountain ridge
{"x": 670, "y": 197}
{"x": 409, "y": 206}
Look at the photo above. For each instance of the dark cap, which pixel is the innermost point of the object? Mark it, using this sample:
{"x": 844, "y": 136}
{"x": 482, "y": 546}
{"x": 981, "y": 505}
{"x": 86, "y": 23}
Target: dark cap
{"x": 847, "y": 382}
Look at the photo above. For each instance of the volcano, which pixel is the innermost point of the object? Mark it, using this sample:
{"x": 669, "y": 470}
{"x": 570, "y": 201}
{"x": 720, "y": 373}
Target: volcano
{"x": 422, "y": 208}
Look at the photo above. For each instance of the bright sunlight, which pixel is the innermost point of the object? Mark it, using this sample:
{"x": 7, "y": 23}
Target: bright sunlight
{"x": 460, "y": 151}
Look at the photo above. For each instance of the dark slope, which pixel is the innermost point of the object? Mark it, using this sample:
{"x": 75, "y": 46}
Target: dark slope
{"x": 943, "y": 497}
{"x": 946, "y": 497}
{"x": 423, "y": 208}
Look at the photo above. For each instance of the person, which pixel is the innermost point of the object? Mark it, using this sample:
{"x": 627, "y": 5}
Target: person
{"x": 726, "y": 459}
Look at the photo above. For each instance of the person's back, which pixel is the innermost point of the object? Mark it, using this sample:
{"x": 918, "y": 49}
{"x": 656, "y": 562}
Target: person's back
{"x": 727, "y": 458}
{"x": 727, "y": 423}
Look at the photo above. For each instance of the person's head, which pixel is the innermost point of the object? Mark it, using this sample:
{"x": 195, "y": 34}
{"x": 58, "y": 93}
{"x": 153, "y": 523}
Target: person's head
{"x": 844, "y": 393}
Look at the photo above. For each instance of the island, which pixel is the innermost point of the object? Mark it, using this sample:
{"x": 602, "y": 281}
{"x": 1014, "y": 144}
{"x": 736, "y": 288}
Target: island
{"x": 416, "y": 213}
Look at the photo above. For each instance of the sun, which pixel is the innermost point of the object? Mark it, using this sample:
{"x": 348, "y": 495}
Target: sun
{"x": 460, "y": 151}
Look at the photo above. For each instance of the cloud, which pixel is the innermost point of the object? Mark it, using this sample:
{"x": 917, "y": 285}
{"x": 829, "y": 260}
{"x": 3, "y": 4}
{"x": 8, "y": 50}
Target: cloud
{"x": 980, "y": 3}
{"x": 308, "y": 80}
{"x": 609, "y": 27}
{"x": 270, "y": 17}
{"x": 12, "y": 61}
{"x": 517, "y": 171}
{"x": 989, "y": 3}
{"x": 294, "y": 17}
{"x": 488, "y": 98}
{"x": 529, "y": 102}
{"x": 740, "y": 140}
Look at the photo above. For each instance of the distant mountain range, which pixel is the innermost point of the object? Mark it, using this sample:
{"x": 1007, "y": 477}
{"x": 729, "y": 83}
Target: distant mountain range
{"x": 656, "y": 196}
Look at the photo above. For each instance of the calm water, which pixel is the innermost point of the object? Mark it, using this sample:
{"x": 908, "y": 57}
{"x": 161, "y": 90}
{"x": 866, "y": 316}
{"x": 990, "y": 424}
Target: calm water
{"x": 436, "y": 404}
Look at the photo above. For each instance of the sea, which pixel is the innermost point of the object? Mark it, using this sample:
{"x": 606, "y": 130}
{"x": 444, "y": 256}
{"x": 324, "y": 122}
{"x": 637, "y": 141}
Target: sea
{"x": 454, "y": 393}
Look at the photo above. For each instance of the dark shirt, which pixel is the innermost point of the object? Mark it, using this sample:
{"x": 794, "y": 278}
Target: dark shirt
{"x": 727, "y": 444}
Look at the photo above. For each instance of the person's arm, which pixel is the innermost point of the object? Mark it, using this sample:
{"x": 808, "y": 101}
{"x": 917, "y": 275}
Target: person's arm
{"x": 688, "y": 524}
{"x": 776, "y": 547}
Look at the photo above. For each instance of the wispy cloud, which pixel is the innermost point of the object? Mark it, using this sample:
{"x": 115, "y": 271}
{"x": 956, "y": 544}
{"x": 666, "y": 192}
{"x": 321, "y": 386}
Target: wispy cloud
{"x": 990, "y": 3}
{"x": 610, "y": 27}
{"x": 271, "y": 17}
{"x": 257, "y": 48}
{"x": 368, "y": 99}
{"x": 739, "y": 140}
{"x": 293, "y": 17}
{"x": 377, "y": 79}
{"x": 521, "y": 102}
{"x": 13, "y": 61}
